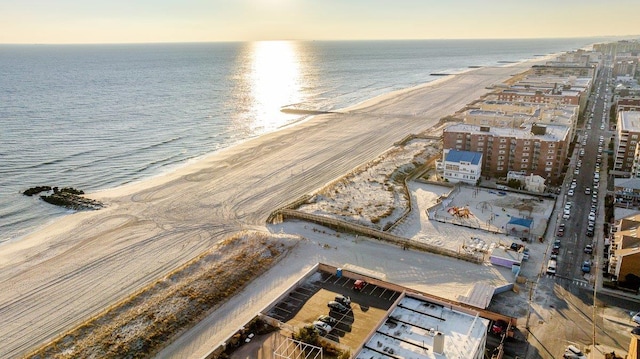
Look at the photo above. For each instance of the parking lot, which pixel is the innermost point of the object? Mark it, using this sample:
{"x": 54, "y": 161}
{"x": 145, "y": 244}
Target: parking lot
{"x": 309, "y": 300}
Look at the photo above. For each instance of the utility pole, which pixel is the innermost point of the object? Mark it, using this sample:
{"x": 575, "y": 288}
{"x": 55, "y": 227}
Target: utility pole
{"x": 595, "y": 287}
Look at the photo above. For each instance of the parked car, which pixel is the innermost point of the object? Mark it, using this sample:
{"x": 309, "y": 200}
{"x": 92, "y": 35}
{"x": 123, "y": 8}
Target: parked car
{"x": 573, "y": 353}
{"x": 588, "y": 249}
{"x": 636, "y": 317}
{"x": 338, "y": 307}
{"x": 359, "y": 284}
{"x": 498, "y": 327}
{"x": 525, "y": 254}
{"x": 344, "y": 300}
{"x": 322, "y": 327}
{"x": 328, "y": 319}
{"x": 586, "y": 267}
{"x": 560, "y": 231}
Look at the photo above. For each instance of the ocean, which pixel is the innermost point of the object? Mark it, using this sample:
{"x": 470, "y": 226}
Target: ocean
{"x": 97, "y": 116}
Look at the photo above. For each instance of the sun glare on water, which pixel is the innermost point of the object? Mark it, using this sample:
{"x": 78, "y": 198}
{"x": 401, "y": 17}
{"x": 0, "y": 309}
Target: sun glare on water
{"x": 275, "y": 80}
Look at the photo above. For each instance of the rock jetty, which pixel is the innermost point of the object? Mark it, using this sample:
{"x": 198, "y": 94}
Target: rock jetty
{"x": 67, "y": 197}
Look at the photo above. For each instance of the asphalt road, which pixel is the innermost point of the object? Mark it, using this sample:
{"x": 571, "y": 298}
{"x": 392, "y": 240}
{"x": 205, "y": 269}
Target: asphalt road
{"x": 562, "y": 309}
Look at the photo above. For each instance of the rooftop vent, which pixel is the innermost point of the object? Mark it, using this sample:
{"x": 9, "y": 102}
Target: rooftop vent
{"x": 438, "y": 343}
{"x": 539, "y": 130}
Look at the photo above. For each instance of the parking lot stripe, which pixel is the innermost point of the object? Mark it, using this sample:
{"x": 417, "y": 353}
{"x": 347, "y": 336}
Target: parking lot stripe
{"x": 384, "y": 291}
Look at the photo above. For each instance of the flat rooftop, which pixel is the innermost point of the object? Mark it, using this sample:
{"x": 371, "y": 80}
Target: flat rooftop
{"x": 553, "y": 133}
{"x": 410, "y": 329}
{"x": 630, "y": 121}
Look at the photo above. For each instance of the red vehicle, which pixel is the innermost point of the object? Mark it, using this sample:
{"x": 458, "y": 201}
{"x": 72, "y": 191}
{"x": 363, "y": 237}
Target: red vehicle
{"x": 499, "y": 327}
{"x": 359, "y": 284}
{"x": 560, "y": 231}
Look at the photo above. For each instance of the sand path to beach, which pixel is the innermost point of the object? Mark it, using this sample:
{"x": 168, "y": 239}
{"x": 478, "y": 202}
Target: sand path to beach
{"x": 58, "y": 277}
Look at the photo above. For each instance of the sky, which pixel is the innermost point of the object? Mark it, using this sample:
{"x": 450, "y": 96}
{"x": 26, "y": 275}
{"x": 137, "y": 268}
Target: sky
{"x": 135, "y": 21}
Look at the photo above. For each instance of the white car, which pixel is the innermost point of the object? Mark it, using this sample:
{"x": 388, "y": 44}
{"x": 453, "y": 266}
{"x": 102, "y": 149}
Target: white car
{"x": 566, "y": 214}
{"x": 592, "y": 216}
{"x": 322, "y": 327}
{"x": 636, "y": 317}
{"x": 570, "y": 193}
{"x": 573, "y": 353}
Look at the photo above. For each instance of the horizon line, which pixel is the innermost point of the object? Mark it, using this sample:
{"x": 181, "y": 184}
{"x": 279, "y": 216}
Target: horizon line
{"x": 634, "y": 37}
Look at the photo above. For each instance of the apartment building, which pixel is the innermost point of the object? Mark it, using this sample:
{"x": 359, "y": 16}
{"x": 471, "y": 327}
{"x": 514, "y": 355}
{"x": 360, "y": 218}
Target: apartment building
{"x": 531, "y": 149}
{"x": 514, "y": 115}
{"x": 628, "y": 104}
{"x": 626, "y": 144}
{"x": 624, "y": 251}
{"x": 625, "y": 67}
{"x": 566, "y": 97}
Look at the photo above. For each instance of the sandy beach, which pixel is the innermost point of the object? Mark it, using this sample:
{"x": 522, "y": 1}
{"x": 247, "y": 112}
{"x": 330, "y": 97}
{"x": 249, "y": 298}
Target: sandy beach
{"x": 56, "y": 278}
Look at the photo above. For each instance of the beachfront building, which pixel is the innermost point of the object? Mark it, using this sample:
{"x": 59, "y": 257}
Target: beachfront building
{"x": 586, "y": 67}
{"x": 627, "y": 158}
{"x": 532, "y": 148}
{"x": 462, "y": 166}
{"x": 624, "y": 251}
{"x": 419, "y": 328}
{"x": 578, "y": 58}
{"x": 555, "y": 96}
{"x": 618, "y": 47}
{"x": 515, "y": 114}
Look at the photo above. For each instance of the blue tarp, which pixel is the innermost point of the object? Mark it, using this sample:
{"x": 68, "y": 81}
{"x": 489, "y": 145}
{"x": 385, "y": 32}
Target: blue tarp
{"x": 521, "y": 222}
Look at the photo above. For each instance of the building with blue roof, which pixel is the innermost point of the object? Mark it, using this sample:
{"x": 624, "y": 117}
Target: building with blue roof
{"x": 462, "y": 166}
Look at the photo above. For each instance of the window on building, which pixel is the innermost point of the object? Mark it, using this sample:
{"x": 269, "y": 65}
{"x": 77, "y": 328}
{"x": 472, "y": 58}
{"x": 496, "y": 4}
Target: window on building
{"x": 549, "y": 163}
{"x": 501, "y": 152}
{"x": 525, "y": 154}
{"x": 459, "y": 135}
{"x": 526, "y": 143}
{"x": 525, "y": 160}
{"x": 503, "y": 140}
{"x": 501, "y": 157}
{"x": 480, "y": 143}
{"x": 551, "y": 151}
{"x": 499, "y": 169}
{"x": 523, "y": 166}
{"x": 634, "y": 137}
{"x": 526, "y": 149}
{"x": 551, "y": 145}
{"x": 503, "y": 146}
{"x": 480, "y": 149}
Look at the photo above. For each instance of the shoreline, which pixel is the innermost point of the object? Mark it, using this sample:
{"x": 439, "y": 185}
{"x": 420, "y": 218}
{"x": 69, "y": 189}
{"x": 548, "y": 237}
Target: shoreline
{"x": 90, "y": 259}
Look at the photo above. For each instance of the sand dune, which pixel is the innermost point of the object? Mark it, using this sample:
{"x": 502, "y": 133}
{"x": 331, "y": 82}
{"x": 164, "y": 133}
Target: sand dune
{"x": 59, "y": 276}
